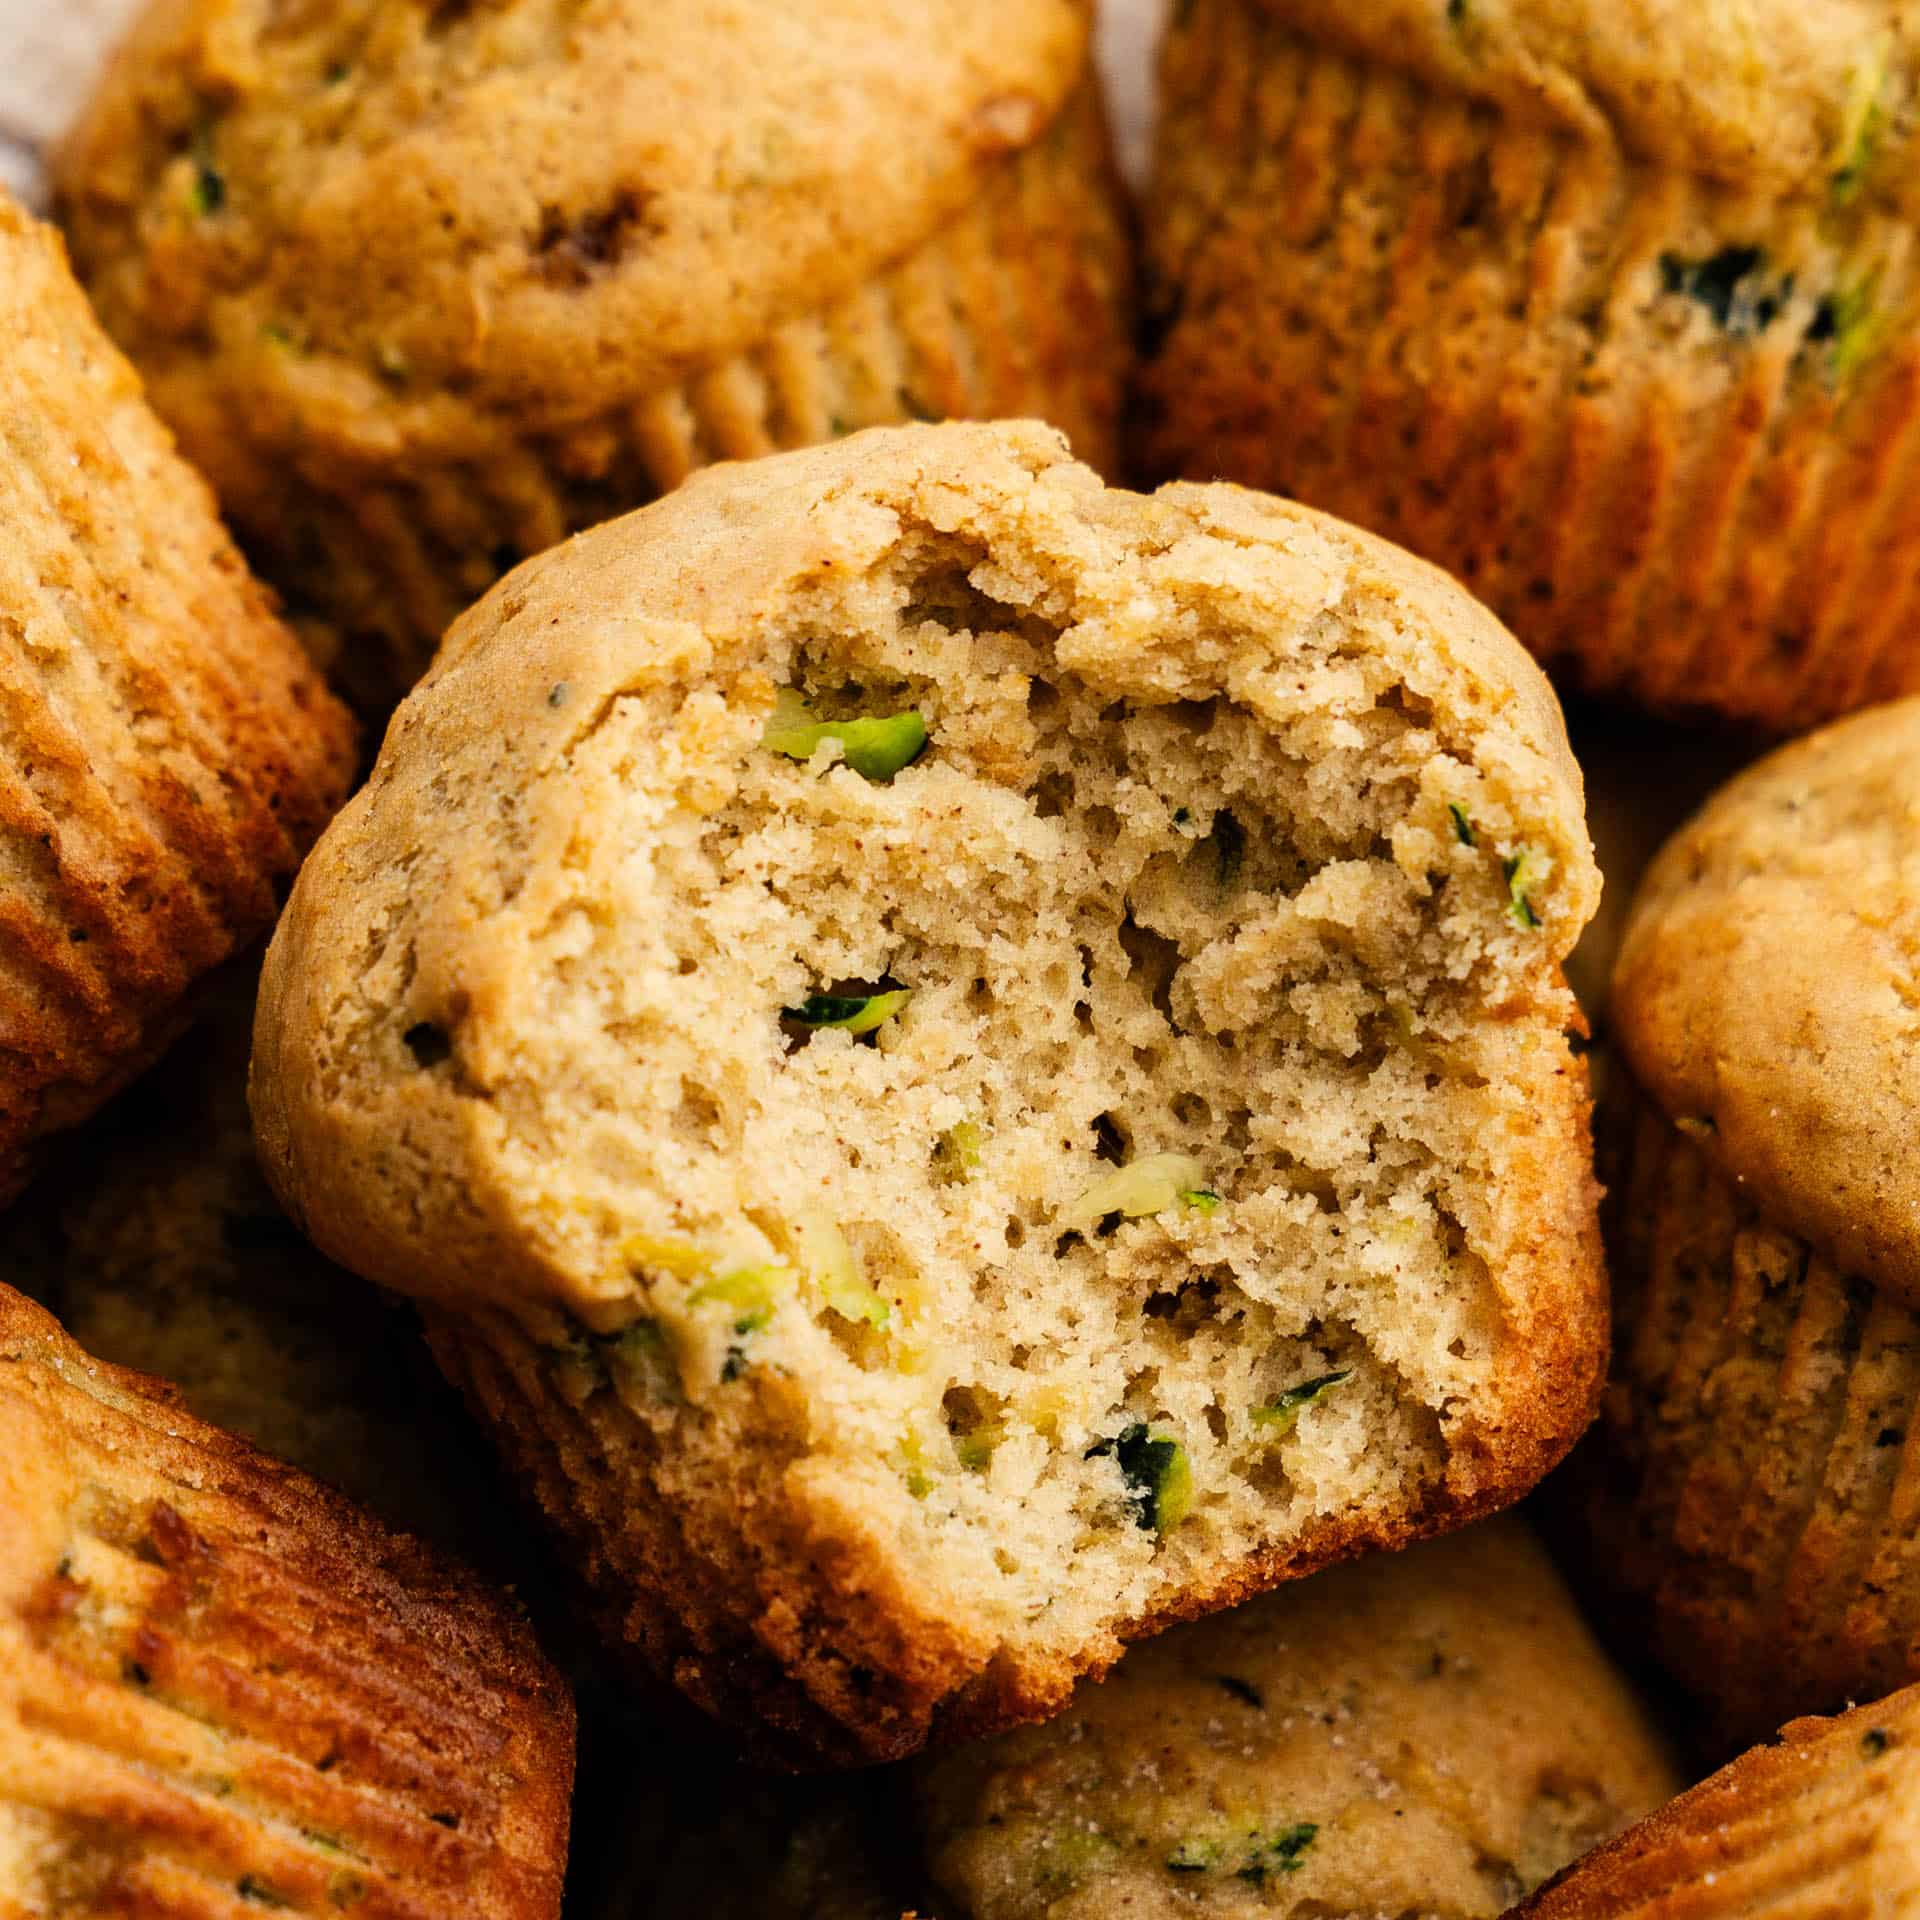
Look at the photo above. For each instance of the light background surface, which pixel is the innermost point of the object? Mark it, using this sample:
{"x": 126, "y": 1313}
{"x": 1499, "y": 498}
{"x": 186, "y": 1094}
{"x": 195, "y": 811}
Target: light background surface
{"x": 48, "y": 49}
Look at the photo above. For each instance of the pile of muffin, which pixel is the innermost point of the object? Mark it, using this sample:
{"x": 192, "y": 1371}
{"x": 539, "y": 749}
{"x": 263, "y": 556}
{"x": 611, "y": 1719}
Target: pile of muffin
{"x": 905, "y": 1070}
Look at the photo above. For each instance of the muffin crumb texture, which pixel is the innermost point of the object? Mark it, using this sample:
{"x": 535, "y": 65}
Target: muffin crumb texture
{"x": 858, "y": 1133}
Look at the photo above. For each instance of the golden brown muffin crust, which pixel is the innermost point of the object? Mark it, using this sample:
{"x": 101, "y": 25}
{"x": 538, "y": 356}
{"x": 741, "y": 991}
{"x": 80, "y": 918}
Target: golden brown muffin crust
{"x": 1773, "y": 94}
{"x": 166, "y": 751}
{"x": 1824, "y": 1822}
{"x": 1746, "y": 1501}
{"x": 1765, "y": 994}
{"x": 425, "y": 290}
{"x": 222, "y": 1685}
{"x": 1654, "y": 416}
{"x": 496, "y": 198}
{"x": 681, "y": 591}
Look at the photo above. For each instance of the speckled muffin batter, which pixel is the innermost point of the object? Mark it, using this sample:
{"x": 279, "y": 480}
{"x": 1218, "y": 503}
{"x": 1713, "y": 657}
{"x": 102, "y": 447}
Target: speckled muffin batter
{"x": 166, "y": 751}
{"x": 427, "y": 288}
{"x": 1822, "y": 1825}
{"x": 1749, "y": 1497}
{"x": 225, "y": 1690}
{"x": 1434, "y": 1733}
{"x": 970, "y": 1065}
{"x": 1609, "y": 306}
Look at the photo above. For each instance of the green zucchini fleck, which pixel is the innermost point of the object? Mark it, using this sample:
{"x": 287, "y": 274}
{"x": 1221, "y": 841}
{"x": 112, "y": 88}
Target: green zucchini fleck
{"x": 1279, "y": 1852}
{"x": 1281, "y": 1415}
{"x": 1861, "y": 125}
{"x": 1849, "y": 324}
{"x": 855, "y": 1013}
{"x": 875, "y": 748}
{"x": 749, "y": 1291}
{"x": 1194, "y": 1856}
{"x": 822, "y": 1249}
{"x": 1462, "y": 826}
{"x": 1521, "y": 871}
{"x": 958, "y": 1152}
{"x": 1140, "y": 1188}
{"x": 1157, "y": 1472}
{"x": 1201, "y": 1200}
{"x": 1733, "y": 287}
{"x": 209, "y": 189}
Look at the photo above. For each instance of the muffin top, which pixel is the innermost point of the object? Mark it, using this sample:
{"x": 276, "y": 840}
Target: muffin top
{"x": 1433, "y": 1731}
{"x": 1766, "y": 990}
{"x": 1789, "y": 96}
{"x": 529, "y": 204}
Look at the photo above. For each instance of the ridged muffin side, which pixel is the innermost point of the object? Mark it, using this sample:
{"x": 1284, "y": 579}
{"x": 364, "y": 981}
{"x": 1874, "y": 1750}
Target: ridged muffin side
{"x": 1664, "y": 426}
{"x": 1751, "y": 1494}
{"x": 167, "y": 752}
{"x": 224, "y": 1688}
{"x": 1824, "y": 1822}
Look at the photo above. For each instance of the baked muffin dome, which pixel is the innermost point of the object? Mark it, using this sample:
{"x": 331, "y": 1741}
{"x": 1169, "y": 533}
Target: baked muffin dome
{"x": 426, "y": 289}
{"x": 970, "y": 1065}
{"x": 1431, "y": 1732}
{"x": 166, "y": 751}
{"x": 223, "y": 1688}
{"x": 1750, "y": 1493}
{"x": 1824, "y": 1821}
{"x": 1609, "y": 306}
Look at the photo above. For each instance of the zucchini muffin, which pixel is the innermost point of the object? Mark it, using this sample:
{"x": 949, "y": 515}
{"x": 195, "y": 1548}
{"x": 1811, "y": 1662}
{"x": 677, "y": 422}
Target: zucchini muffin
{"x": 1612, "y": 307}
{"x": 970, "y": 1065}
{"x": 426, "y": 289}
{"x": 166, "y": 751}
{"x": 222, "y": 1688}
{"x": 1434, "y": 1732}
{"x": 1823, "y": 1824}
{"x": 1752, "y": 1492}
{"x": 155, "y": 1241}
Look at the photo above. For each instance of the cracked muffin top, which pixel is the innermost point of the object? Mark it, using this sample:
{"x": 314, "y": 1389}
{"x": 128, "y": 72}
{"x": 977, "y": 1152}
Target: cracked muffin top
{"x": 484, "y": 203}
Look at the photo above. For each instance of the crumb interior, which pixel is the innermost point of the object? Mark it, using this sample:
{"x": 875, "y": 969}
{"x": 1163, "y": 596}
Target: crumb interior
{"x": 1253, "y": 948}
